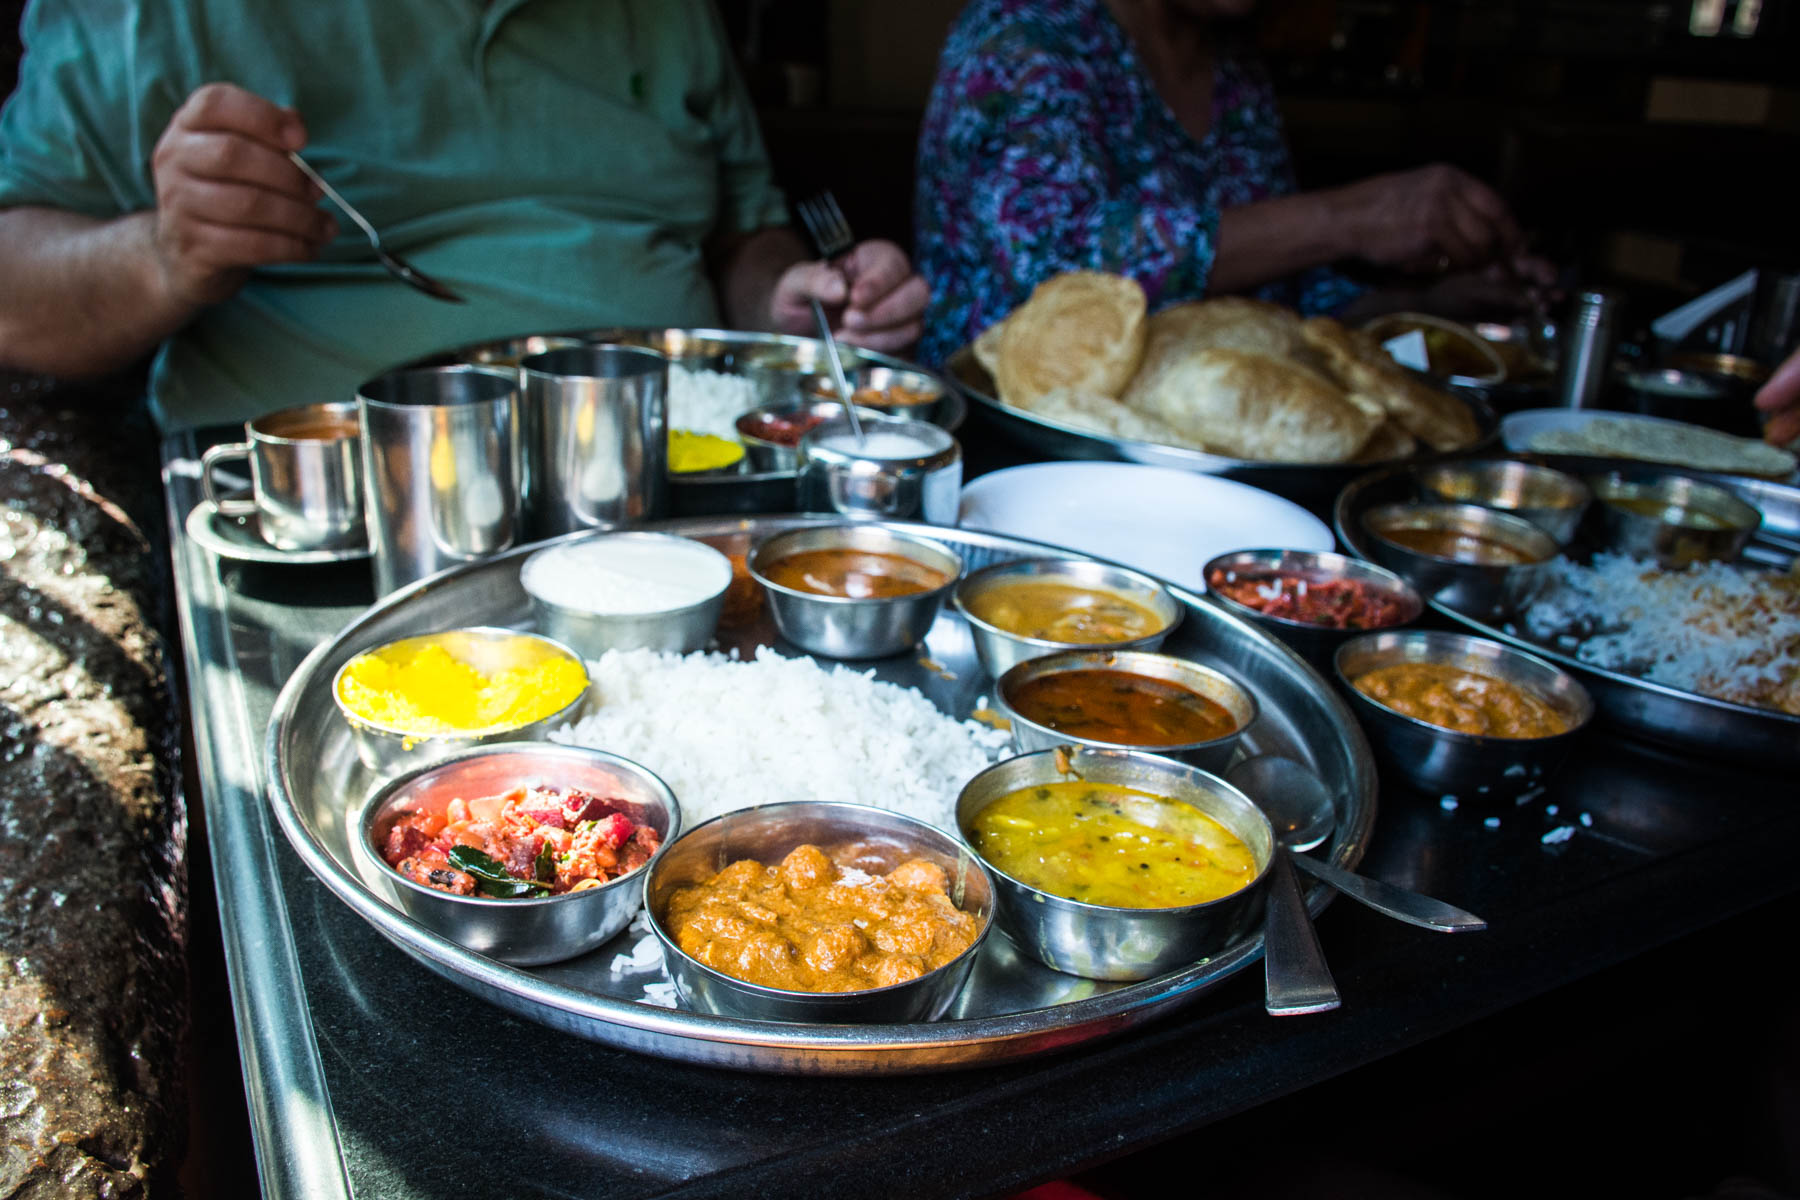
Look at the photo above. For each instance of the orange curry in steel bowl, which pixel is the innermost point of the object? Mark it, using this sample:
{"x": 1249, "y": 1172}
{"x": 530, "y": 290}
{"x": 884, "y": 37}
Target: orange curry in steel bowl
{"x": 1466, "y": 701}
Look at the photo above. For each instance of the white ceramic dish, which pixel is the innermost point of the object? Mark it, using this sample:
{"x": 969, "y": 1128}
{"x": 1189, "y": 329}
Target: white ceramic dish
{"x": 1157, "y": 519}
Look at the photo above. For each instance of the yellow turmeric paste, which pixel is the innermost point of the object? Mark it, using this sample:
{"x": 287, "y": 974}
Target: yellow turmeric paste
{"x": 430, "y": 693}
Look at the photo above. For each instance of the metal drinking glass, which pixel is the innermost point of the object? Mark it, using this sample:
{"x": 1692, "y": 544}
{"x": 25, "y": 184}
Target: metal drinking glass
{"x": 305, "y": 477}
{"x": 596, "y": 436}
{"x": 441, "y": 468}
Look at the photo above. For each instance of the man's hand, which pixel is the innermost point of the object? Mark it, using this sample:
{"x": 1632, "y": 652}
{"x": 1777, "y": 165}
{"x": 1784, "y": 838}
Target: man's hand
{"x": 877, "y": 298}
{"x": 1435, "y": 218}
{"x": 227, "y": 197}
{"x": 1780, "y": 397}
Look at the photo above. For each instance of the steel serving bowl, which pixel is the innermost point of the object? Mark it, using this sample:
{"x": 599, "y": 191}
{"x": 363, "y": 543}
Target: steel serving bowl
{"x": 921, "y": 393}
{"x": 1552, "y": 500}
{"x": 525, "y": 932}
{"x": 1313, "y": 642}
{"x": 874, "y": 840}
{"x": 1446, "y": 761}
{"x": 779, "y": 372}
{"x": 386, "y": 750}
{"x": 591, "y": 632}
{"x": 769, "y": 455}
{"x": 1001, "y": 649}
{"x": 848, "y": 626}
{"x": 1213, "y": 754}
{"x": 1099, "y": 941}
{"x": 1688, "y": 521}
{"x": 1476, "y": 589}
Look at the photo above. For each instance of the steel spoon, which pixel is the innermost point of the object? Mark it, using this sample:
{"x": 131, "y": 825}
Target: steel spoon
{"x": 1297, "y": 804}
{"x": 398, "y": 267}
{"x": 837, "y": 370}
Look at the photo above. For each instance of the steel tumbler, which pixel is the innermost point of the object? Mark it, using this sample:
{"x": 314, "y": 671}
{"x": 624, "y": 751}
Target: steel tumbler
{"x": 596, "y": 434}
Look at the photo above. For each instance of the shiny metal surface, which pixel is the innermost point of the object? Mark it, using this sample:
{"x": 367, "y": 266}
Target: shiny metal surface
{"x": 1493, "y": 589}
{"x": 767, "y": 455}
{"x": 306, "y": 492}
{"x": 878, "y": 479}
{"x": 386, "y": 751}
{"x": 442, "y": 468}
{"x": 1296, "y": 979}
{"x": 239, "y": 539}
{"x": 999, "y": 650}
{"x": 1012, "y": 1008}
{"x": 396, "y": 266}
{"x": 779, "y": 369}
{"x": 1670, "y": 716}
{"x": 1695, "y": 522}
{"x": 590, "y": 633}
{"x": 1312, "y": 485}
{"x": 1588, "y": 338}
{"x": 1214, "y": 754}
{"x": 1315, "y": 643}
{"x": 1097, "y": 941}
{"x": 871, "y": 386}
{"x": 846, "y": 626}
{"x": 1552, "y": 500}
{"x": 1471, "y": 767}
{"x": 525, "y": 931}
{"x": 1398, "y": 903}
{"x": 595, "y": 422}
{"x": 874, "y": 840}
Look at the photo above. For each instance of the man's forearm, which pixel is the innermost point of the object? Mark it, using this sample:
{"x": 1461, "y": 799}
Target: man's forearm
{"x": 82, "y": 296}
{"x": 745, "y": 271}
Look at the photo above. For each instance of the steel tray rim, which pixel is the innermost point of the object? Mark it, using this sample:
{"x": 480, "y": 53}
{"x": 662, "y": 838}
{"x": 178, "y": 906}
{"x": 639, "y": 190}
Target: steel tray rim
{"x": 951, "y": 1043}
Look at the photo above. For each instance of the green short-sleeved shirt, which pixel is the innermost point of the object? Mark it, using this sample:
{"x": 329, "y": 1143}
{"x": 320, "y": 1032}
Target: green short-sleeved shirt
{"x": 560, "y": 163}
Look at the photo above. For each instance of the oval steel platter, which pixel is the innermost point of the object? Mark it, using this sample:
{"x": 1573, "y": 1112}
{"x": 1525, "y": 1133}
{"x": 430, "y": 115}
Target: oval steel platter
{"x": 1666, "y": 714}
{"x": 1011, "y": 1008}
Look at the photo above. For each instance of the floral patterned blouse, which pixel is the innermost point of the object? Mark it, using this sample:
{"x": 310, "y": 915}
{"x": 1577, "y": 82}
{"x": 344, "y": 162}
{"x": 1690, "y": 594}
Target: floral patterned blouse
{"x": 1046, "y": 148}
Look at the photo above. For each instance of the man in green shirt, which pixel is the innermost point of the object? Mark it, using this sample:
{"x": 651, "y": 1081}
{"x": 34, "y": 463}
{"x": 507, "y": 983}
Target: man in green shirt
{"x": 561, "y": 164}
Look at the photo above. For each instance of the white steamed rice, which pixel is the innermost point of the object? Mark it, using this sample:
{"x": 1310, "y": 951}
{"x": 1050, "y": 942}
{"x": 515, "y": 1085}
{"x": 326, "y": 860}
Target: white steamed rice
{"x": 703, "y": 401}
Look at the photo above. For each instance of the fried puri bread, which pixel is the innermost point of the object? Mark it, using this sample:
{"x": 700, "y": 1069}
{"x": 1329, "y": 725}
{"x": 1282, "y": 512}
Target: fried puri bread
{"x": 1359, "y": 363}
{"x": 1227, "y": 323}
{"x": 1082, "y": 331}
{"x": 1102, "y": 414}
{"x": 987, "y": 348}
{"x": 1252, "y": 406}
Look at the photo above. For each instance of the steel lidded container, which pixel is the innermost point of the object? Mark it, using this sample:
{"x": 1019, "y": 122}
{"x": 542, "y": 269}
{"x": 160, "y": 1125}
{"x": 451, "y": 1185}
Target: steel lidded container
{"x": 441, "y": 468}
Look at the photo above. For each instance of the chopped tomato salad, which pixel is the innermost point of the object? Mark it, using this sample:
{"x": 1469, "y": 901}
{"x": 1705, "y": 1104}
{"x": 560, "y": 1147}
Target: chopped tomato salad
{"x": 1332, "y": 603}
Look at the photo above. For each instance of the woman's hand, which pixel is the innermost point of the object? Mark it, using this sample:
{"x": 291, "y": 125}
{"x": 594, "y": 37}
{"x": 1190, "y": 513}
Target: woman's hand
{"x": 227, "y": 197}
{"x": 882, "y": 299}
{"x": 1434, "y": 218}
{"x": 1780, "y": 397}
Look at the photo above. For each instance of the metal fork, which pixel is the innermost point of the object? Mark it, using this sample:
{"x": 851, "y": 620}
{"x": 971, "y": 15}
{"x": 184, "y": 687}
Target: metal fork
{"x": 826, "y": 225}
{"x": 398, "y": 267}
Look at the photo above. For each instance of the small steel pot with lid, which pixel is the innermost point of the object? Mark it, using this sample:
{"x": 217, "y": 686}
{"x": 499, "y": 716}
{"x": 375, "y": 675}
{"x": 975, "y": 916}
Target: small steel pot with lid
{"x": 898, "y": 471}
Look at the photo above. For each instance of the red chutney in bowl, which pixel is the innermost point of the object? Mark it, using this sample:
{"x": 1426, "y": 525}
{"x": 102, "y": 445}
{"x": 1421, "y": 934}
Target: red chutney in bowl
{"x": 528, "y": 843}
{"x": 1328, "y": 603}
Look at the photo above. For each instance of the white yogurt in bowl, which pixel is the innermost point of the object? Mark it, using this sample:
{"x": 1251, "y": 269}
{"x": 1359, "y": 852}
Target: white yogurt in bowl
{"x": 628, "y": 591}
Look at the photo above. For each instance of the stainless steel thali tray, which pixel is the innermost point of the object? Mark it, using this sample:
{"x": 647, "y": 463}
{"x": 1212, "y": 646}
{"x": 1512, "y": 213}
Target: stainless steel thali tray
{"x": 1011, "y": 1007}
{"x": 1313, "y": 485}
{"x": 1666, "y": 714}
{"x": 727, "y": 351}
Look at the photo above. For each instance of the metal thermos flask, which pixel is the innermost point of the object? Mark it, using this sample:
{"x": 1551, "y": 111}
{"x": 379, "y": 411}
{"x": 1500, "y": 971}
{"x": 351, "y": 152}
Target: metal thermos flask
{"x": 1588, "y": 348}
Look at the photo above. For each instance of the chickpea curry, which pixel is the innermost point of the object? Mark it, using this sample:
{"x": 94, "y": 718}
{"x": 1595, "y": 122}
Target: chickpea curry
{"x": 1465, "y": 701}
{"x": 810, "y": 925}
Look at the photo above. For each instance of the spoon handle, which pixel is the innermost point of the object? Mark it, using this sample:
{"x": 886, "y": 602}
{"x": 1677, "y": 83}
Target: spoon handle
{"x": 1295, "y": 977}
{"x": 1396, "y": 902}
{"x": 845, "y": 397}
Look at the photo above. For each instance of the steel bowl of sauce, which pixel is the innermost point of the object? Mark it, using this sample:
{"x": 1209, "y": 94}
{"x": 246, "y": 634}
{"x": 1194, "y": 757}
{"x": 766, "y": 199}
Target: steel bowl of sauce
{"x": 771, "y": 433}
{"x": 854, "y": 590}
{"x": 1116, "y": 864}
{"x": 1126, "y": 699}
{"x": 1479, "y": 561}
{"x": 1462, "y": 716}
{"x": 1552, "y": 500}
{"x": 1671, "y": 518}
{"x": 1312, "y": 600}
{"x": 1028, "y": 608}
{"x": 812, "y": 911}
{"x": 889, "y": 390}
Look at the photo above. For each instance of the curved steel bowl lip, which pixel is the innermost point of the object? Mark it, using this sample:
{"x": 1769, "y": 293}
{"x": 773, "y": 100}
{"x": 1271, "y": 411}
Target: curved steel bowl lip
{"x": 384, "y": 795}
{"x": 1452, "y": 643}
{"x": 368, "y": 726}
{"x": 1168, "y": 765}
{"x": 1577, "y": 489}
{"x": 1155, "y": 588}
{"x": 1516, "y": 532}
{"x": 1091, "y": 660}
{"x": 1741, "y": 515}
{"x": 1337, "y": 566}
{"x": 947, "y": 844}
{"x": 817, "y": 385}
{"x": 754, "y": 560}
{"x": 639, "y": 536}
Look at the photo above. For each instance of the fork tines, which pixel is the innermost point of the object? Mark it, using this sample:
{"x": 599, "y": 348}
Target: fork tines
{"x": 825, "y": 224}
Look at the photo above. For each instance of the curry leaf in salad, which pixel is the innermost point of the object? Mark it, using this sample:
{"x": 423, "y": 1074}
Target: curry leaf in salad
{"x": 492, "y": 879}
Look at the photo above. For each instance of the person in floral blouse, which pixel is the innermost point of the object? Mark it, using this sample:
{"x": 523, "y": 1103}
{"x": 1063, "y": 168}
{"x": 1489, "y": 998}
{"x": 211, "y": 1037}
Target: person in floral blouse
{"x": 1125, "y": 135}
